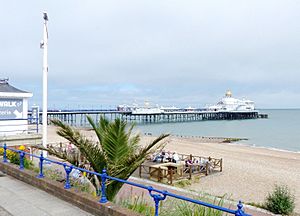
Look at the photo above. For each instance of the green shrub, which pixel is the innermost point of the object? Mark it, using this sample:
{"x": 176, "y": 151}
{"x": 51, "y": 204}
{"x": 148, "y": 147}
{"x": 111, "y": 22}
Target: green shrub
{"x": 280, "y": 201}
{"x": 15, "y": 159}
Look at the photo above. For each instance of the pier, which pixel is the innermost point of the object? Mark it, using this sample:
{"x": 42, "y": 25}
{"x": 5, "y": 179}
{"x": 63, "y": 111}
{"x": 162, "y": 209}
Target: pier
{"x": 78, "y": 117}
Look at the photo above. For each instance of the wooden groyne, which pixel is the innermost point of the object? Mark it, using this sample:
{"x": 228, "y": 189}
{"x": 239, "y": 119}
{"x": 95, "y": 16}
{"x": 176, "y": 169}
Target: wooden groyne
{"x": 78, "y": 117}
{"x": 263, "y": 116}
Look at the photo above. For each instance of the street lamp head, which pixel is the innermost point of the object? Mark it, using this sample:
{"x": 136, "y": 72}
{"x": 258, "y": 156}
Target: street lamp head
{"x": 45, "y": 16}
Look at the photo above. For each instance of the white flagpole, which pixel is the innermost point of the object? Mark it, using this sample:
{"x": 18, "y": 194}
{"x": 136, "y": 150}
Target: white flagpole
{"x": 44, "y": 45}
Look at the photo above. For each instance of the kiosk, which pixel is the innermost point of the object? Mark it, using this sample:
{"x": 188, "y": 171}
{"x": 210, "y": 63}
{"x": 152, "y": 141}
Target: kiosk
{"x": 13, "y": 109}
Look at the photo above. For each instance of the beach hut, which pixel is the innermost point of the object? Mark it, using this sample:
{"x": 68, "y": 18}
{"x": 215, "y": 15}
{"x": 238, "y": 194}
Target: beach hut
{"x": 13, "y": 109}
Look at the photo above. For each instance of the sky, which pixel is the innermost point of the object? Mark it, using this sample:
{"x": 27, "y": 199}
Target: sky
{"x": 167, "y": 52}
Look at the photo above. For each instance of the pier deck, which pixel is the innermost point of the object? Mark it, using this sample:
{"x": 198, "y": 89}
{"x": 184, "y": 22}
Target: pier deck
{"x": 78, "y": 117}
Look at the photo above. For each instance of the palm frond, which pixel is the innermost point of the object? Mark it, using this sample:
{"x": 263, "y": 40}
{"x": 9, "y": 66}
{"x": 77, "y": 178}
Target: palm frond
{"x": 71, "y": 158}
{"x": 95, "y": 127}
{"x": 136, "y": 160}
{"x": 87, "y": 148}
{"x": 115, "y": 142}
{"x": 117, "y": 150}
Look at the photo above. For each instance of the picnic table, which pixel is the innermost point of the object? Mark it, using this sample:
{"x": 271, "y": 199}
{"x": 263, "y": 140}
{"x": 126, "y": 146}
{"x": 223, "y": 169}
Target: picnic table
{"x": 165, "y": 170}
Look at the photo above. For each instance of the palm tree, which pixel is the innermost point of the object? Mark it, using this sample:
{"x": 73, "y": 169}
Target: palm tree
{"x": 118, "y": 150}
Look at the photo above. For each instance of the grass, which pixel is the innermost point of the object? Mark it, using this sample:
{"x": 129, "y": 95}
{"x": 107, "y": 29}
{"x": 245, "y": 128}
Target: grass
{"x": 258, "y": 205}
{"x": 138, "y": 204}
{"x": 183, "y": 208}
{"x": 172, "y": 206}
{"x": 183, "y": 183}
{"x": 55, "y": 174}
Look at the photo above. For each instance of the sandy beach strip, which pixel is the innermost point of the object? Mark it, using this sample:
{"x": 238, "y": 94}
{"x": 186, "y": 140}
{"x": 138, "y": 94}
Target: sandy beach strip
{"x": 249, "y": 173}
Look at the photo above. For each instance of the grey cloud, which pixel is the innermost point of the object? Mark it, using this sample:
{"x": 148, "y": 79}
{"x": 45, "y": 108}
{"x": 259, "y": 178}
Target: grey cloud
{"x": 171, "y": 52}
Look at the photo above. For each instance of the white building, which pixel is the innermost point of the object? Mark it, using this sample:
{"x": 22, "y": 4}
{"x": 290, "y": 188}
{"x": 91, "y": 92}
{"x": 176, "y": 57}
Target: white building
{"x": 13, "y": 109}
{"x": 228, "y": 103}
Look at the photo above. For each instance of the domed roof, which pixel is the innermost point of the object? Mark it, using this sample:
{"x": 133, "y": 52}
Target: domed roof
{"x": 228, "y": 93}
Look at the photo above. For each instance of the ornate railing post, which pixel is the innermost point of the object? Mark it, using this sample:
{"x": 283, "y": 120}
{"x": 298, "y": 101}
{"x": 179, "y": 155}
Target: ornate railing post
{"x": 22, "y": 154}
{"x": 68, "y": 170}
{"x": 4, "y": 153}
{"x": 41, "y": 175}
{"x": 103, "y": 187}
{"x": 157, "y": 198}
{"x": 239, "y": 211}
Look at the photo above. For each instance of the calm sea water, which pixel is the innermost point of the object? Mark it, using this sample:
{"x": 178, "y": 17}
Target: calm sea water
{"x": 280, "y": 131}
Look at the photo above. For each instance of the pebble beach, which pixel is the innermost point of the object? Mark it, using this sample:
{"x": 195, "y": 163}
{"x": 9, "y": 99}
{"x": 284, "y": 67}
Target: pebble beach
{"x": 249, "y": 173}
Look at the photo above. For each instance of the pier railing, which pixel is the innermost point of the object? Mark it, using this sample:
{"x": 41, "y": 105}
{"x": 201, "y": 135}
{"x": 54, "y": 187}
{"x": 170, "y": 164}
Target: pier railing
{"x": 156, "y": 194}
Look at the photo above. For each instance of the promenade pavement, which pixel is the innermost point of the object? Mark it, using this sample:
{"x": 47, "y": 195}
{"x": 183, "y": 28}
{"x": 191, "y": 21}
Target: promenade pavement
{"x": 20, "y": 199}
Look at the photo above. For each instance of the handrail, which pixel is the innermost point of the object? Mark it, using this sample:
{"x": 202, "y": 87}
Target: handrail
{"x": 158, "y": 196}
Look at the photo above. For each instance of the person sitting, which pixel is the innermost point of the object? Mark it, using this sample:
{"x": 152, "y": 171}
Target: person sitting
{"x": 168, "y": 156}
{"x": 175, "y": 157}
{"x": 189, "y": 164}
{"x": 154, "y": 157}
{"x": 203, "y": 161}
{"x": 163, "y": 155}
{"x": 159, "y": 157}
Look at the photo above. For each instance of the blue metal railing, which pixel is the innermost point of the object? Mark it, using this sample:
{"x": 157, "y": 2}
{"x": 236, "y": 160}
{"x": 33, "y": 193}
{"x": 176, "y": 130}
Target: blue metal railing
{"x": 157, "y": 195}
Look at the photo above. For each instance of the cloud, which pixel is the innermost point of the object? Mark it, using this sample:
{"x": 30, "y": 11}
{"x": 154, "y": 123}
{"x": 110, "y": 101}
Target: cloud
{"x": 171, "y": 52}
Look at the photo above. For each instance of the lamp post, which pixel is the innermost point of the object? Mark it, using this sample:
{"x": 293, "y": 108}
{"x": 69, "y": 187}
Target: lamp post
{"x": 44, "y": 46}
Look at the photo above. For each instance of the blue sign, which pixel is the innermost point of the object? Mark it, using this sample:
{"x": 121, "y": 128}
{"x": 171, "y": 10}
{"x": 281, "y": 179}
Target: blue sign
{"x": 11, "y": 108}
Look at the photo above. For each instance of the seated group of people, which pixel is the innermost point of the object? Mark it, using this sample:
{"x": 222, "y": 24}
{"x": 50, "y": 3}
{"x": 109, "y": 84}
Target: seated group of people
{"x": 200, "y": 164}
{"x": 196, "y": 162}
{"x": 168, "y": 156}
{"x": 165, "y": 156}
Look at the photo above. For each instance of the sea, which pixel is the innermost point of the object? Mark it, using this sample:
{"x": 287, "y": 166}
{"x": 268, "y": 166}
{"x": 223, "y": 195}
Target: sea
{"x": 280, "y": 131}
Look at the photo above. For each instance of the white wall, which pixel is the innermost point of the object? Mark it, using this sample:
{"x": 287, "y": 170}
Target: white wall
{"x": 11, "y": 127}
{"x": 18, "y": 126}
{"x": 25, "y": 108}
